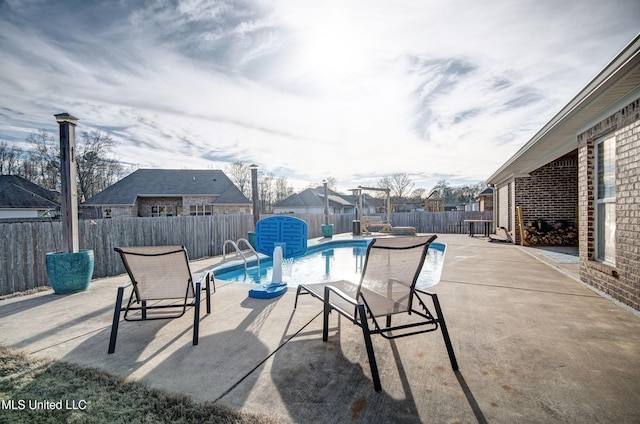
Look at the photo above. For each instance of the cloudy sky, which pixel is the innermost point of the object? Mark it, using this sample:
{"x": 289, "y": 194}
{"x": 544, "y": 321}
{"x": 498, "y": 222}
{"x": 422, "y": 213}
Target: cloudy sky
{"x": 350, "y": 89}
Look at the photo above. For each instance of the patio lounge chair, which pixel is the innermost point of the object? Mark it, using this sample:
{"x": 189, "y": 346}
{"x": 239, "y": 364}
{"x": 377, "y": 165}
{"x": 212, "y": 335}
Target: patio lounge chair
{"x": 162, "y": 285}
{"x": 386, "y": 287}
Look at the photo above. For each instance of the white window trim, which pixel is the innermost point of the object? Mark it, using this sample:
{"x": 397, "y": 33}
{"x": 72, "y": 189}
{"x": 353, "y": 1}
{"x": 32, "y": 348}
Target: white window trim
{"x": 164, "y": 208}
{"x": 597, "y": 201}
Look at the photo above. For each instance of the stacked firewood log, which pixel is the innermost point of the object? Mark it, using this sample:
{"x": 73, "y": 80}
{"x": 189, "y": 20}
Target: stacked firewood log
{"x": 558, "y": 234}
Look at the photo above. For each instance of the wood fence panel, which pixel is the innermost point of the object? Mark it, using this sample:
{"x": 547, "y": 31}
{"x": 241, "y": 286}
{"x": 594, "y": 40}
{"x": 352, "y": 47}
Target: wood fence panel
{"x": 24, "y": 245}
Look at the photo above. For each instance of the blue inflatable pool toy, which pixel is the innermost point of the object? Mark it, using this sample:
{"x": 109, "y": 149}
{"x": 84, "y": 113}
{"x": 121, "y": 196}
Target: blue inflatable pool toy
{"x": 268, "y": 291}
{"x": 287, "y": 231}
{"x": 278, "y": 237}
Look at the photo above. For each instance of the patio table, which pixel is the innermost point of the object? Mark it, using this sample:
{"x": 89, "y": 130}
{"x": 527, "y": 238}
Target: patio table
{"x": 487, "y": 225}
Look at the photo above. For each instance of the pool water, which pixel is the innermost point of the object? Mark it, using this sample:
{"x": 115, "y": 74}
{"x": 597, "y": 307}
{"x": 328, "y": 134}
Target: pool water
{"x": 343, "y": 261}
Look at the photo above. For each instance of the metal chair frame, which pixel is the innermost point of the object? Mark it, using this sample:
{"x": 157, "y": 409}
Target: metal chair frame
{"x": 363, "y": 313}
{"x": 134, "y": 297}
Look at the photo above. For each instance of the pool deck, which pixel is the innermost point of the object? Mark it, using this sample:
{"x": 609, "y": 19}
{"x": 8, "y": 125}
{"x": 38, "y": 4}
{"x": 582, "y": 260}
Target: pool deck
{"x": 534, "y": 345}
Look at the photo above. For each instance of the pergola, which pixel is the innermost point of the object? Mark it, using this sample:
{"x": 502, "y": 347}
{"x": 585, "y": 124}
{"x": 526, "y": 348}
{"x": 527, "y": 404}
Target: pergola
{"x": 359, "y": 192}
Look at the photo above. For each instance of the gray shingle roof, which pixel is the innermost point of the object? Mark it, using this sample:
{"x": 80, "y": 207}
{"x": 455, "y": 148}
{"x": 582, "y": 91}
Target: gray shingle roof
{"x": 170, "y": 182}
{"x": 16, "y": 192}
{"x": 486, "y": 192}
{"x": 313, "y": 197}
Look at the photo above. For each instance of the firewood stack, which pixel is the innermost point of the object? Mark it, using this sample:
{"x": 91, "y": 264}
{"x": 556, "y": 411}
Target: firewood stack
{"x": 559, "y": 234}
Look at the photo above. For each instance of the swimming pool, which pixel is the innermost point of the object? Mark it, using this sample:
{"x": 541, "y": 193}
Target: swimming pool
{"x": 334, "y": 260}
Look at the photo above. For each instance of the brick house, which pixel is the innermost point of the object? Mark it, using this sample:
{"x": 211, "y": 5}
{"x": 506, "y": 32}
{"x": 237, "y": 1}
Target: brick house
{"x": 168, "y": 192}
{"x": 582, "y": 170}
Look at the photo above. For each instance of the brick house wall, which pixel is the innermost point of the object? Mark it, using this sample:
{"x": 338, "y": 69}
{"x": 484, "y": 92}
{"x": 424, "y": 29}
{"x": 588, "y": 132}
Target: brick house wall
{"x": 621, "y": 281}
{"x": 146, "y": 203}
{"x": 121, "y": 211}
{"x": 182, "y": 205}
{"x": 232, "y": 209}
{"x": 550, "y": 193}
{"x": 188, "y": 201}
{"x": 485, "y": 203}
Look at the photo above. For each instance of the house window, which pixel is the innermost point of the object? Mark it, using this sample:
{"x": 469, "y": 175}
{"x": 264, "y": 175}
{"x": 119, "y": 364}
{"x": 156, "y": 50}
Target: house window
{"x": 162, "y": 211}
{"x": 200, "y": 210}
{"x": 106, "y": 212}
{"x": 605, "y": 212}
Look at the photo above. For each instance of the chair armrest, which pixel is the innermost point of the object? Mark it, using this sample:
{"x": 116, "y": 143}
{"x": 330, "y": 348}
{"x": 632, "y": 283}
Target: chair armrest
{"x": 343, "y": 295}
{"x": 199, "y": 277}
{"x": 127, "y": 284}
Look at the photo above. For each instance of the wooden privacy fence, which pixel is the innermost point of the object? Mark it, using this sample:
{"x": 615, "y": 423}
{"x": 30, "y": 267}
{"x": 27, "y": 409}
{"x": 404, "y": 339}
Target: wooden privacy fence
{"x": 24, "y": 245}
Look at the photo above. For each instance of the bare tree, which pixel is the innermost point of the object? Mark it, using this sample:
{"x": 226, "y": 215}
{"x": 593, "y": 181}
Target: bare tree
{"x": 42, "y": 165}
{"x": 444, "y": 190}
{"x": 399, "y": 183}
{"x": 457, "y": 194}
{"x": 265, "y": 190}
{"x": 419, "y": 194}
{"x": 240, "y": 175}
{"x": 9, "y": 159}
{"x": 282, "y": 189}
{"x": 332, "y": 183}
{"x": 96, "y": 169}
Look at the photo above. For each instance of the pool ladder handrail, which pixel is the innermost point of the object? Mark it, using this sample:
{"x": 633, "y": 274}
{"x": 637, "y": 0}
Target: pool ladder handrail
{"x": 238, "y": 251}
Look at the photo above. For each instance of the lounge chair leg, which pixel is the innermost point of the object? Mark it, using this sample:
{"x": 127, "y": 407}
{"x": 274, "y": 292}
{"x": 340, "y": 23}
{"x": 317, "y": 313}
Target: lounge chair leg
{"x": 144, "y": 309}
{"x": 445, "y": 333}
{"x": 325, "y": 320}
{"x": 298, "y": 291}
{"x": 295, "y": 304}
{"x": 116, "y": 320}
{"x": 367, "y": 342}
{"x": 196, "y": 314}
{"x": 208, "y": 289}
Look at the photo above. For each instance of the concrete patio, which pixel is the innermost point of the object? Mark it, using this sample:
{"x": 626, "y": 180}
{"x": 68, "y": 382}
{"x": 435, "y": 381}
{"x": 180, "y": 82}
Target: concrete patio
{"x": 533, "y": 344}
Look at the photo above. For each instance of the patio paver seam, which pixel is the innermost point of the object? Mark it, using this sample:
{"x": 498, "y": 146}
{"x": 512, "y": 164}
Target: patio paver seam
{"x": 594, "y": 295}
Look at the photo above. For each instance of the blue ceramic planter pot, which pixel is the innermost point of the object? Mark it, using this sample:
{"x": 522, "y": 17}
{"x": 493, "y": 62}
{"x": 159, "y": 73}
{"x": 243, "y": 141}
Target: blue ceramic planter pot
{"x": 70, "y": 272}
{"x": 327, "y": 230}
{"x": 252, "y": 238}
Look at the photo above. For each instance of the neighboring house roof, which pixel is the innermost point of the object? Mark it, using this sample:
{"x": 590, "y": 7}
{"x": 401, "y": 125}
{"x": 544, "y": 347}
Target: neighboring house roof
{"x": 617, "y": 85}
{"x": 313, "y": 197}
{"x": 16, "y": 192}
{"x": 369, "y": 201}
{"x": 169, "y": 183}
{"x": 486, "y": 192}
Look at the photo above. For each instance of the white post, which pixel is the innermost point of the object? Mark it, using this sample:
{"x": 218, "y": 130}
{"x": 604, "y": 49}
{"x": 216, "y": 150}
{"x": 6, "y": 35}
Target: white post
{"x": 69, "y": 190}
{"x": 326, "y": 203}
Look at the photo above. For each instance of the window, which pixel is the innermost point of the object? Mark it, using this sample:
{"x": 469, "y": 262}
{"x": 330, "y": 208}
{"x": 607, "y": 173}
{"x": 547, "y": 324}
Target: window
{"x": 162, "y": 211}
{"x": 200, "y": 210}
{"x": 606, "y": 200}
